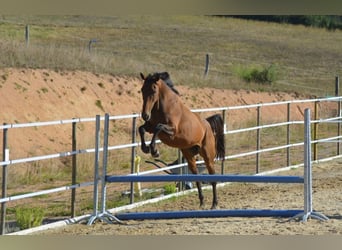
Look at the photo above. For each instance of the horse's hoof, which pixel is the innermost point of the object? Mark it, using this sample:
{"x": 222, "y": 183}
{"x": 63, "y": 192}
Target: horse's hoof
{"x": 214, "y": 206}
{"x": 146, "y": 150}
{"x": 155, "y": 154}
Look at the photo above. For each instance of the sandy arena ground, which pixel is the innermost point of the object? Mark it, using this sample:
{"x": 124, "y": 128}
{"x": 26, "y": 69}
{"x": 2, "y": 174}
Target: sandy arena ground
{"x": 327, "y": 199}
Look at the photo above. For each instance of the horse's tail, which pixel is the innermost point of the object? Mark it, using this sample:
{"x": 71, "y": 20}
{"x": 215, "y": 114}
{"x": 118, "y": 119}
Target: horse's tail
{"x": 216, "y": 124}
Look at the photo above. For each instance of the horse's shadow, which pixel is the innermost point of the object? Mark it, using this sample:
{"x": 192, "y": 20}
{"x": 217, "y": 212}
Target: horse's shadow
{"x": 335, "y": 216}
{"x": 181, "y": 170}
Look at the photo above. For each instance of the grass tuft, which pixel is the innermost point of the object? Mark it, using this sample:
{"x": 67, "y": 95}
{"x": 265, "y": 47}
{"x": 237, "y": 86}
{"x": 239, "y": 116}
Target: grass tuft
{"x": 98, "y": 104}
{"x": 28, "y": 217}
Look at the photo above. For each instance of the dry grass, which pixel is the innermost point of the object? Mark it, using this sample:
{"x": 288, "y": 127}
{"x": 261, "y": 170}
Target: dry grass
{"x": 305, "y": 57}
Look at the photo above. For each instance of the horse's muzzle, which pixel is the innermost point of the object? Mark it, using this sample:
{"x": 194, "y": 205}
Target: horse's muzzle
{"x": 145, "y": 117}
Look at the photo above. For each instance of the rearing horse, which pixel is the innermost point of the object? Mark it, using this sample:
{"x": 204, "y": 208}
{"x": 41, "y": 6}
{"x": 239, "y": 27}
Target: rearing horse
{"x": 167, "y": 118}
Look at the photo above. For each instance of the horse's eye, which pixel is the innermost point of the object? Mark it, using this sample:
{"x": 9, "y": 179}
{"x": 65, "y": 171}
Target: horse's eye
{"x": 154, "y": 87}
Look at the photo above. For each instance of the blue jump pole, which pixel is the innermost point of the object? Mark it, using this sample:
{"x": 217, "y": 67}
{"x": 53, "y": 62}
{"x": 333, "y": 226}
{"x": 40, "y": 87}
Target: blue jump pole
{"x": 207, "y": 214}
{"x": 208, "y": 178}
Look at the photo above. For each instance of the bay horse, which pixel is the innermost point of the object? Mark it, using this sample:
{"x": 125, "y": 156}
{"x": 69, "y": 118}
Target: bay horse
{"x": 168, "y": 119}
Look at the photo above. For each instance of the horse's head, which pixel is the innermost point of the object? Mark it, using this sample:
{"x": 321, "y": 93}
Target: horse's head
{"x": 150, "y": 93}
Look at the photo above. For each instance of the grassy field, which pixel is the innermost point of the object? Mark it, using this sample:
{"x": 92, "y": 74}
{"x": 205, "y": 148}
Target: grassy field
{"x": 306, "y": 59}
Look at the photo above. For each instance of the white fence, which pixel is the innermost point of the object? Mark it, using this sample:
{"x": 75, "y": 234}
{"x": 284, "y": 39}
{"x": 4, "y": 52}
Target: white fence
{"x": 324, "y": 109}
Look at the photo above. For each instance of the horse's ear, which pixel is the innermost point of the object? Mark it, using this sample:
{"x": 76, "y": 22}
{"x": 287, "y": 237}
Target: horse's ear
{"x": 142, "y": 76}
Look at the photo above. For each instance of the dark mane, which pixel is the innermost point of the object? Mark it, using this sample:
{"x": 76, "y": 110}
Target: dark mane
{"x": 166, "y": 78}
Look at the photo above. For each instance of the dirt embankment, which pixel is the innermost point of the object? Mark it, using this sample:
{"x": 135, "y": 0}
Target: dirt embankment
{"x": 28, "y": 95}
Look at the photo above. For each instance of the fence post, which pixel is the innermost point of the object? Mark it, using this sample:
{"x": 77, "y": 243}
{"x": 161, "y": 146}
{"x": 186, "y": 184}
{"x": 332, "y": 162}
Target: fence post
{"x": 27, "y": 35}
{"x": 315, "y": 149}
{"x": 74, "y": 170}
{"x": 288, "y": 134}
{"x": 337, "y": 93}
{"x": 307, "y": 165}
{"x": 96, "y": 171}
{"x": 224, "y": 136}
{"x": 206, "y": 70}
{"x": 104, "y": 162}
{"x": 133, "y": 155}
{"x": 4, "y": 181}
{"x": 103, "y": 215}
{"x": 91, "y": 42}
{"x": 258, "y": 140}
{"x": 308, "y": 210}
{"x": 137, "y": 186}
{"x": 226, "y": 127}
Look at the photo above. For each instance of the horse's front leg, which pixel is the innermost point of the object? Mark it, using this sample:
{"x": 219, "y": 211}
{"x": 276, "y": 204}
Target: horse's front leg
{"x": 159, "y": 128}
{"x": 144, "y": 147}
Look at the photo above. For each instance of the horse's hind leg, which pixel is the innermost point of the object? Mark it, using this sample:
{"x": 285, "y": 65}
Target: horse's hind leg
{"x": 209, "y": 162}
{"x": 200, "y": 194}
{"x": 214, "y": 205}
{"x": 188, "y": 155}
{"x": 211, "y": 170}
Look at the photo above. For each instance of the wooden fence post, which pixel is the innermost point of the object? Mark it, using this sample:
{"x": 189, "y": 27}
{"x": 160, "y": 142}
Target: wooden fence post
{"x": 74, "y": 170}
{"x": 288, "y": 134}
{"x": 337, "y": 93}
{"x": 258, "y": 140}
{"x": 91, "y": 42}
{"x": 206, "y": 70}
{"x": 315, "y": 135}
{"x": 4, "y": 182}
{"x": 133, "y": 155}
{"x": 224, "y": 136}
{"x": 27, "y": 35}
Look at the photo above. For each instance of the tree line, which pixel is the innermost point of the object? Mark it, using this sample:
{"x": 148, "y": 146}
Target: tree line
{"x": 330, "y": 22}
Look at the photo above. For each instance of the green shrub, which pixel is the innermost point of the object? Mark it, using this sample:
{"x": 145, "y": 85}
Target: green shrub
{"x": 265, "y": 75}
{"x": 29, "y": 217}
{"x": 170, "y": 189}
{"x": 98, "y": 104}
